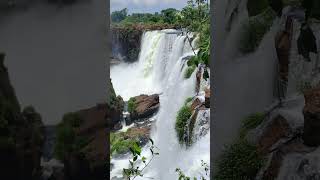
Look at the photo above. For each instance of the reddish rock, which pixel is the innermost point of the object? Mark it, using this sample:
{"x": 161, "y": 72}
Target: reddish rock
{"x": 272, "y": 171}
{"x": 207, "y": 97}
{"x": 195, "y": 103}
{"x": 146, "y": 106}
{"x": 277, "y": 129}
{"x": 311, "y": 111}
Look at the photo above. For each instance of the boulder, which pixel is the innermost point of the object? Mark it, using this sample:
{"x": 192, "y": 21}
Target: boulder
{"x": 311, "y": 111}
{"x": 145, "y": 106}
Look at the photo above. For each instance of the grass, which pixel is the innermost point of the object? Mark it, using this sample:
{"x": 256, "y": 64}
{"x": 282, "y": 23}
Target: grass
{"x": 120, "y": 144}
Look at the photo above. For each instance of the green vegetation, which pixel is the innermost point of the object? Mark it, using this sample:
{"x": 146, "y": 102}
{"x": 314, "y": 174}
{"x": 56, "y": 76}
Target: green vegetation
{"x": 119, "y": 144}
{"x": 241, "y": 159}
{"x": 134, "y": 171}
{"x": 194, "y": 17}
{"x": 67, "y": 140}
{"x": 189, "y": 71}
{"x": 254, "y": 31}
{"x": 132, "y": 105}
{"x": 188, "y": 100}
{"x": 251, "y": 122}
{"x": 256, "y": 7}
{"x": 303, "y": 86}
{"x": 182, "y": 176}
{"x": 181, "y": 121}
{"x": 114, "y": 101}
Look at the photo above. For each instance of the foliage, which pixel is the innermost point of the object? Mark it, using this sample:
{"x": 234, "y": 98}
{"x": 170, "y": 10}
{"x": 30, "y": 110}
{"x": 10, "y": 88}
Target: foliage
{"x": 134, "y": 171}
{"x": 66, "y": 139}
{"x": 120, "y": 144}
{"x": 189, "y": 71}
{"x": 254, "y": 31}
{"x": 118, "y": 16}
{"x": 181, "y": 121}
{"x": 251, "y": 122}
{"x": 189, "y": 99}
{"x": 241, "y": 159}
{"x": 182, "y": 176}
{"x": 169, "y": 15}
{"x": 256, "y": 7}
{"x": 132, "y": 105}
{"x": 303, "y": 86}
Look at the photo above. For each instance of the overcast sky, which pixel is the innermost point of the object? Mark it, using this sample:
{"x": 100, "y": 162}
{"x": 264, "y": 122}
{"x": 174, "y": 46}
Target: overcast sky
{"x": 146, "y": 5}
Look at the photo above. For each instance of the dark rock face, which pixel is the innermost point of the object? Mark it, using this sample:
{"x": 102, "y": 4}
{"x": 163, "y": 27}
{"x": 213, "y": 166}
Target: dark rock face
{"x": 126, "y": 43}
{"x": 276, "y": 130}
{"x": 114, "y": 110}
{"x": 146, "y": 106}
{"x": 90, "y": 162}
{"x": 311, "y": 134}
{"x": 21, "y": 134}
{"x": 126, "y": 40}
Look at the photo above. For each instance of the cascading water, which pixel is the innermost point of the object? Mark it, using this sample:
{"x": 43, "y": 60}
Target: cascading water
{"x": 160, "y": 69}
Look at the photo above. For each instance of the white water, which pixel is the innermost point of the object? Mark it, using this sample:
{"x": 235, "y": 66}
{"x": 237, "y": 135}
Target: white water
{"x": 160, "y": 69}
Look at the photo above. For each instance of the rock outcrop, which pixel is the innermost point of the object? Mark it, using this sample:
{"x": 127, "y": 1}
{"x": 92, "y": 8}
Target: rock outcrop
{"x": 89, "y": 160}
{"x": 145, "y": 106}
{"x": 126, "y": 40}
{"x": 311, "y": 111}
{"x": 21, "y": 134}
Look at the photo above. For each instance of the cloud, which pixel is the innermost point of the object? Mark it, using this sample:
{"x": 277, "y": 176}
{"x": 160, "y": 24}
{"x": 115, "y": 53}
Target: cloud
{"x": 146, "y": 5}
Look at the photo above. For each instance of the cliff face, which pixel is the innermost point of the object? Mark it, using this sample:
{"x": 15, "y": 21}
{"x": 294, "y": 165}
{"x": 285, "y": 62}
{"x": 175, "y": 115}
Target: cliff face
{"x": 126, "y": 39}
{"x": 81, "y": 141}
{"x": 21, "y": 134}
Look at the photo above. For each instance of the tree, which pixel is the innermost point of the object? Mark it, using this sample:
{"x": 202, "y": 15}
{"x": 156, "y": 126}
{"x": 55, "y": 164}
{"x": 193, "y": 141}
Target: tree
{"x": 169, "y": 15}
{"x": 118, "y": 16}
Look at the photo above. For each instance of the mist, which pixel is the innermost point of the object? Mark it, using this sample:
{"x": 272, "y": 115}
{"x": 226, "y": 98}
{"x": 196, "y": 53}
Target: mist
{"x": 56, "y": 55}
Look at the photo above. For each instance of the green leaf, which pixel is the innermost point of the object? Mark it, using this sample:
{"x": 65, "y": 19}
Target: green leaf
{"x": 135, "y": 158}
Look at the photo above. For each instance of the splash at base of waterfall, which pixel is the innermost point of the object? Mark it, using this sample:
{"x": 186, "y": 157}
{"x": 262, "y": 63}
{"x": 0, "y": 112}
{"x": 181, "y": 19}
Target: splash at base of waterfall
{"x": 161, "y": 69}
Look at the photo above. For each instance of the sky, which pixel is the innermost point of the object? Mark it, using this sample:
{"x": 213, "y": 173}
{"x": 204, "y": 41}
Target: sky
{"x": 146, "y": 5}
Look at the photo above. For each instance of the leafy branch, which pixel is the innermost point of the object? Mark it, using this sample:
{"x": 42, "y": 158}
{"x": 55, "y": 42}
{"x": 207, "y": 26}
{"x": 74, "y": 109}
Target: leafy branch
{"x": 182, "y": 176}
{"x": 134, "y": 171}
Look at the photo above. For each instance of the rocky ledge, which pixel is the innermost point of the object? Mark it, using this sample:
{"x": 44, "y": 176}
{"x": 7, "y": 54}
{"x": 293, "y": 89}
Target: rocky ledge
{"x": 143, "y": 106}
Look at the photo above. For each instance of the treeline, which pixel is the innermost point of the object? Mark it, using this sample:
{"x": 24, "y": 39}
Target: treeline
{"x": 194, "y": 17}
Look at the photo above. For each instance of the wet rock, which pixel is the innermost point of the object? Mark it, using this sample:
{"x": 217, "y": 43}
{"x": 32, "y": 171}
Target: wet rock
{"x": 145, "y": 106}
{"x": 311, "y": 111}
{"x": 207, "y": 97}
{"x": 306, "y": 42}
{"x": 277, "y": 160}
{"x": 278, "y": 128}
{"x": 195, "y": 104}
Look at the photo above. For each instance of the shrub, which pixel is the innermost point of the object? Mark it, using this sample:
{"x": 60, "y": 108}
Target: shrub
{"x": 67, "y": 140}
{"x": 251, "y": 122}
{"x": 189, "y": 99}
{"x": 119, "y": 144}
{"x": 256, "y": 7}
{"x": 189, "y": 71}
{"x": 183, "y": 115}
{"x": 239, "y": 161}
{"x": 254, "y": 31}
{"x": 132, "y": 105}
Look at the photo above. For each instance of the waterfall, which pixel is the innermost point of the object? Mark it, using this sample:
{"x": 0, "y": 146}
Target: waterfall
{"x": 160, "y": 69}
